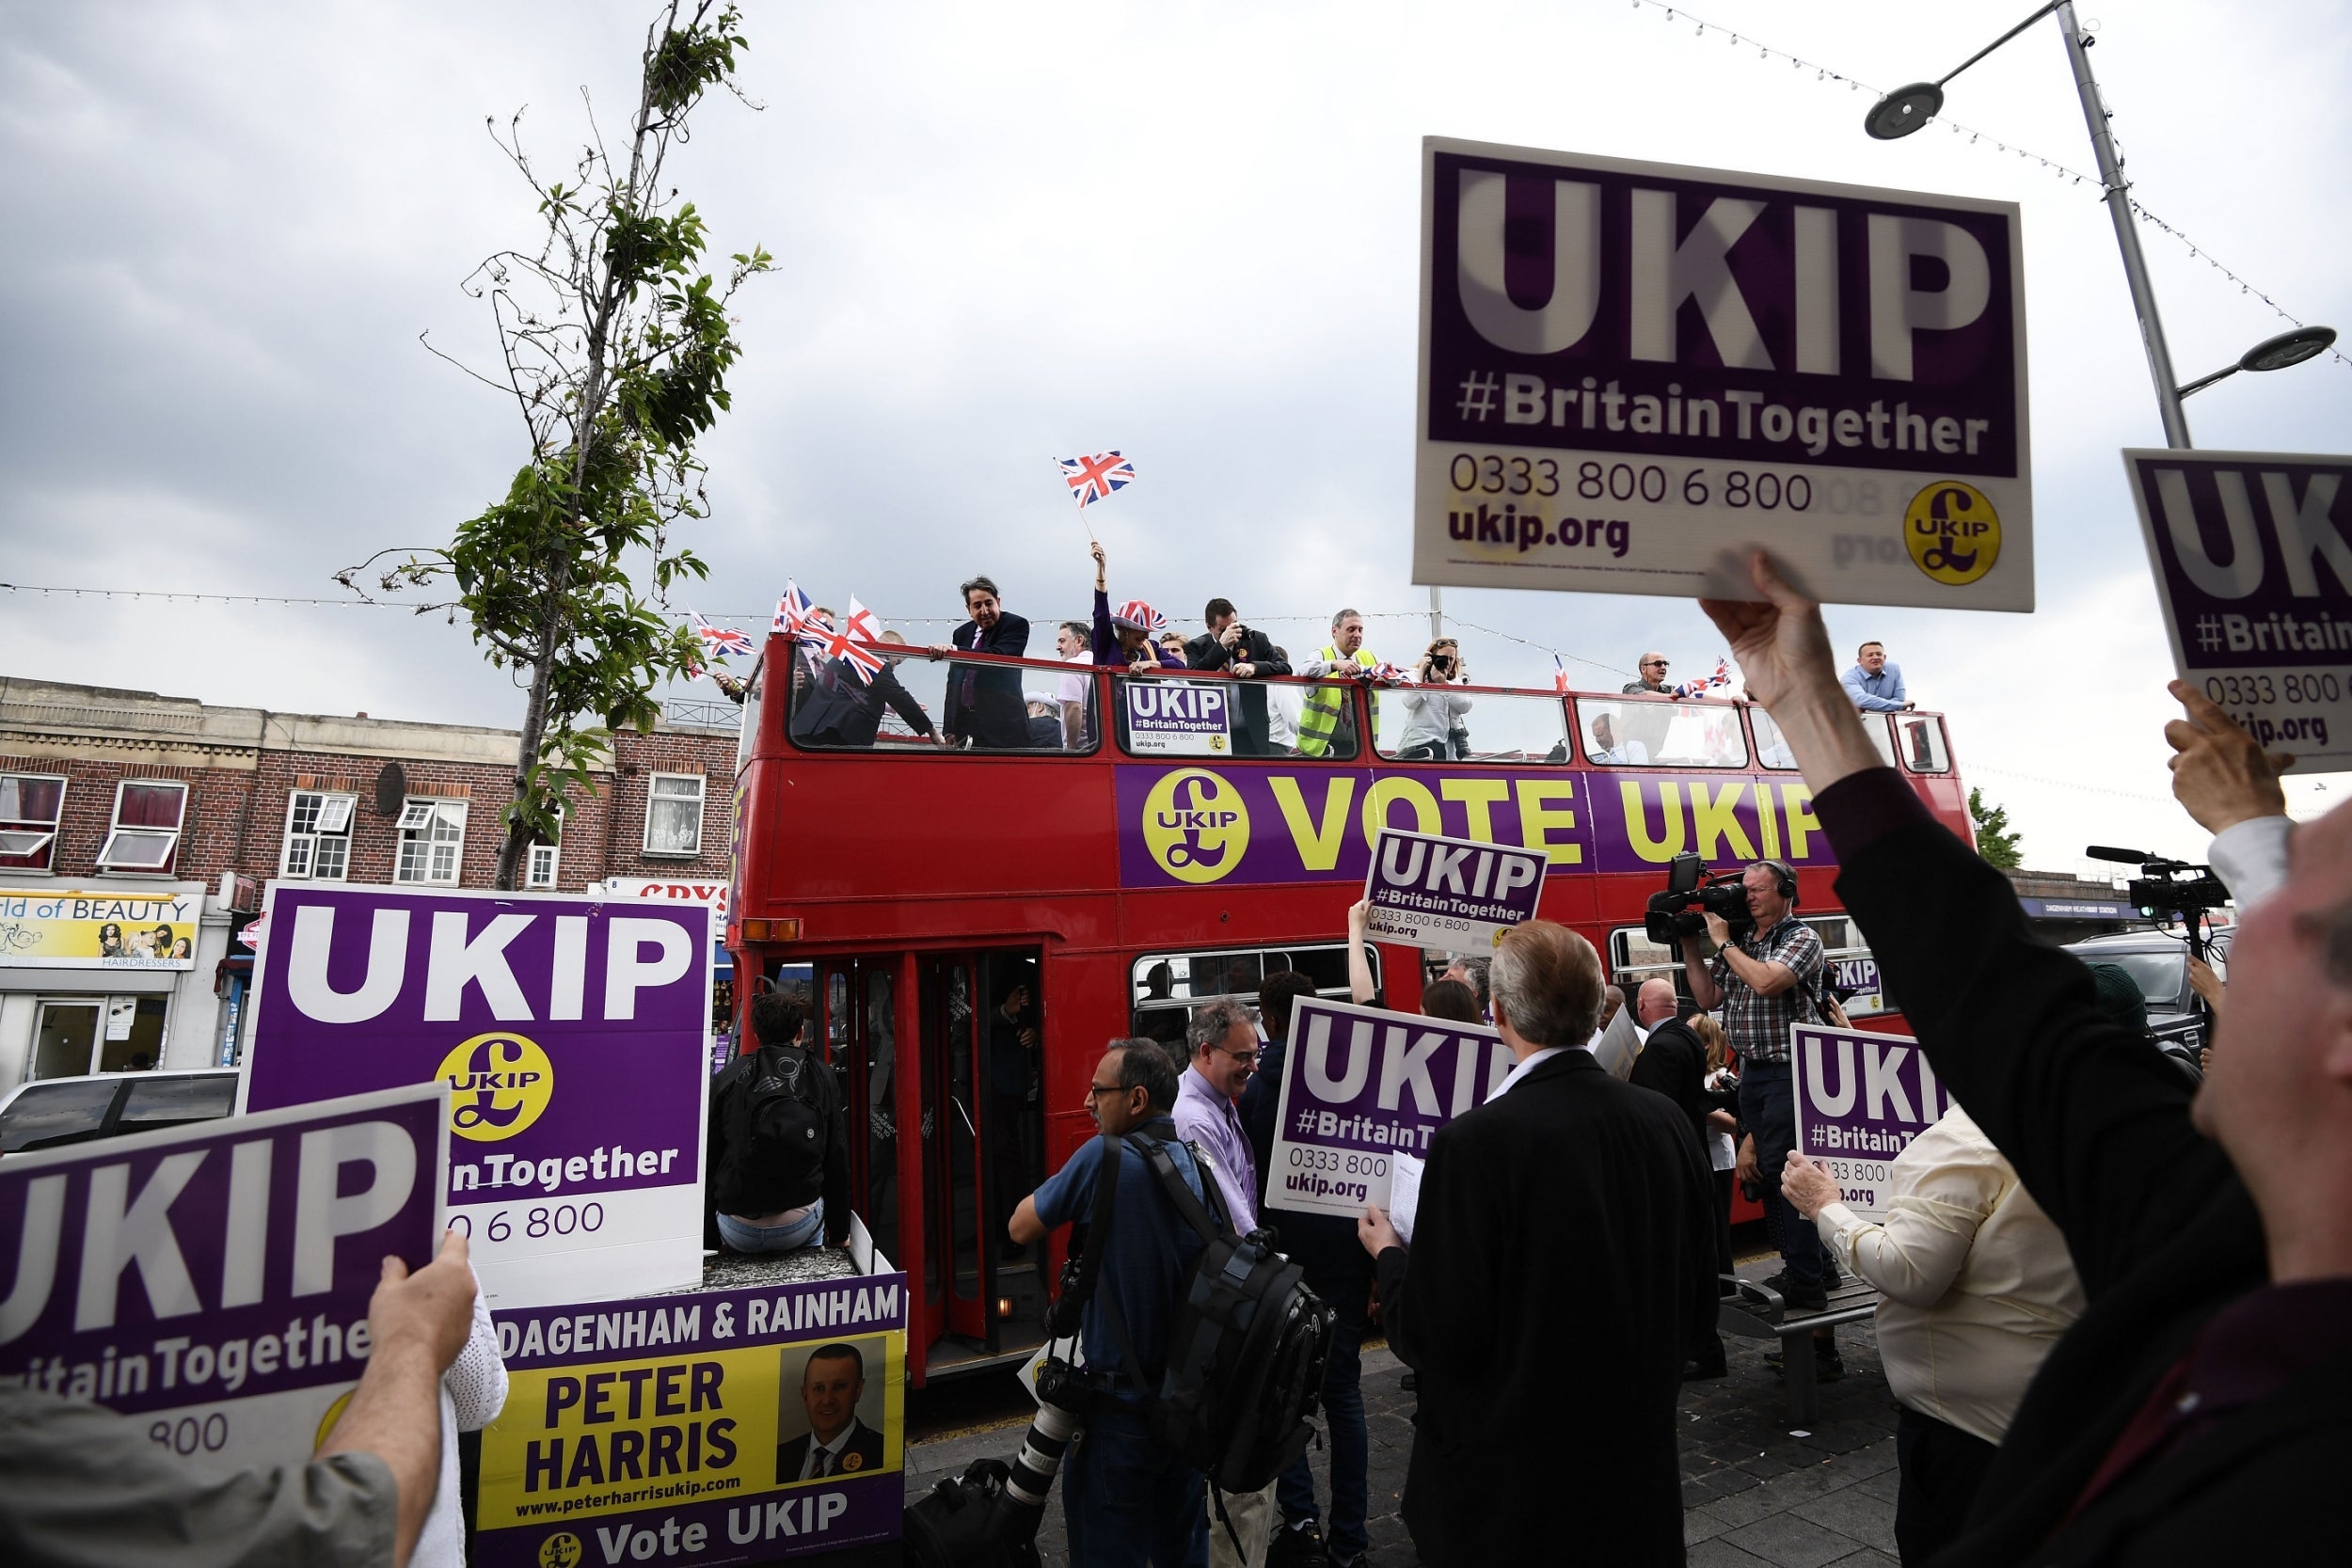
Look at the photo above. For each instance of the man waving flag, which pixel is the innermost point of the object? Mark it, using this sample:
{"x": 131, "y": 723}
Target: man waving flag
{"x": 1092, "y": 477}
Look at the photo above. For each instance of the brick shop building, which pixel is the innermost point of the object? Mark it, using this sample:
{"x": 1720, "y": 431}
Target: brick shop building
{"x": 136, "y": 831}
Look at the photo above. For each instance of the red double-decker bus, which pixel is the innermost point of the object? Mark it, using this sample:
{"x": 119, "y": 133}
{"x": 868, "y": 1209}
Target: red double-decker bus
{"x": 1114, "y": 869}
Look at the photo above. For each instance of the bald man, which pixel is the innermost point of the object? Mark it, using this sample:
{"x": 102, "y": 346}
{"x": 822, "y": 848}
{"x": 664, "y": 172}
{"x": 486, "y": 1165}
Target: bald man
{"x": 1652, "y": 681}
{"x": 1674, "y": 1062}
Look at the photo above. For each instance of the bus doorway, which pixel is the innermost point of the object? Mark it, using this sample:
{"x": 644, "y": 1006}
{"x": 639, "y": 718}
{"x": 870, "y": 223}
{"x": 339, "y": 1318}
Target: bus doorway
{"x": 940, "y": 1063}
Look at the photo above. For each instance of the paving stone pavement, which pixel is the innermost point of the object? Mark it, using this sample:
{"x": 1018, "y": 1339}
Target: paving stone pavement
{"x": 1756, "y": 1493}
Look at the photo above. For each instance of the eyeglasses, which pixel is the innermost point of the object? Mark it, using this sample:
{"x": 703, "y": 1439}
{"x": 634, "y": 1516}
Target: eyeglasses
{"x": 1093, "y": 1089}
{"x": 1653, "y": 663}
{"x": 1247, "y": 1058}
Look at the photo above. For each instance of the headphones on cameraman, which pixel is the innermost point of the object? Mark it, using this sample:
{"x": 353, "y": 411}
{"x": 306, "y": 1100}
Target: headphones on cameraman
{"x": 1785, "y": 876}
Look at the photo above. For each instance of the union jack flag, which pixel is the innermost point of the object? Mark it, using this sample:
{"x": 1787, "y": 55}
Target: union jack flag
{"x": 794, "y": 617}
{"x": 721, "y": 640}
{"x": 1092, "y": 477}
{"x": 1700, "y": 688}
{"x": 1559, "y": 674}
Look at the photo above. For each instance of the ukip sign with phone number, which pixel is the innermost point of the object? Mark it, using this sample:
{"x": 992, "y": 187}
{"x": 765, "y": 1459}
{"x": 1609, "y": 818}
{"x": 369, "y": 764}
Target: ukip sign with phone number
{"x": 1626, "y": 368}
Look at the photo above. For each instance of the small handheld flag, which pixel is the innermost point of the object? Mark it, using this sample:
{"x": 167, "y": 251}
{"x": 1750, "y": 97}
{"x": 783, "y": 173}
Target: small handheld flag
{"x": 1559, "y": 674}
{"x": 848, "y": 644}
{"x": 720, "y": 641}
{"x": 1090, "y": 479}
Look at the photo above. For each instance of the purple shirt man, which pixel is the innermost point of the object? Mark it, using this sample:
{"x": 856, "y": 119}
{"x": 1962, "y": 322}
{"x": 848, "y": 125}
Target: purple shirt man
{"x": 1224, "y": 1045}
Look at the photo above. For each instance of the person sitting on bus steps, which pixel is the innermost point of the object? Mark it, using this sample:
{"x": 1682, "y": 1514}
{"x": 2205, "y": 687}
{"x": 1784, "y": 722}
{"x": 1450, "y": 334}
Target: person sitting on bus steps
{"x": 778, "y": 1150}
{"x": 1121, "y": 643}
{"x": 1127, "y": 1498}
{"x": 1568, "y": 1196}
{"x": 1431, "y": 712}
{"x": 1319, "y": 710}
{"x": 984, "y": 705}
{"x": 1245, "y": 654}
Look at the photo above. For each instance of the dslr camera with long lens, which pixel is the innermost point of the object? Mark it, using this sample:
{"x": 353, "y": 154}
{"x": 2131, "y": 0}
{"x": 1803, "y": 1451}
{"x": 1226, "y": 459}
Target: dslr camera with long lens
{"x": 1691, "y": 896}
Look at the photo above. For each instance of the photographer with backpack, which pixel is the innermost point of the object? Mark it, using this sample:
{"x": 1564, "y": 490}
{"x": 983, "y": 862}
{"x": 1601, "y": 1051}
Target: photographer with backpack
{"x": 778, "y": 1152}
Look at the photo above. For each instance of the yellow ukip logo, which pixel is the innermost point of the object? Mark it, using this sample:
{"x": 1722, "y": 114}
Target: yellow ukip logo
{"x": 498, "y": 1084}
{"x": 1953, "y": 532}
{"x": 561, "y": 1550}
{"x": 1196, "y": 825}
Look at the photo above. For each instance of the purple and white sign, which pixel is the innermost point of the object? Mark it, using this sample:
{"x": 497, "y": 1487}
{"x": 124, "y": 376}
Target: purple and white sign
{"x": 1626, "y": 368}
{"x": 211, "y": 1281}
{"x": 1360, "y": 1085}
{"x": 1452, "y": 893}
{"x": 1861, "y": 1098}
{"x": 574, "y": 1033}
{"x": 2268, "y": 632}
{"x": 1179, "y": 718}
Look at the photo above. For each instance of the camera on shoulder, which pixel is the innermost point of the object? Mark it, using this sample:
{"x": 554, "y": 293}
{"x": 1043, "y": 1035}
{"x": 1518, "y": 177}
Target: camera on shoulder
{"x": 1692, "y": 895}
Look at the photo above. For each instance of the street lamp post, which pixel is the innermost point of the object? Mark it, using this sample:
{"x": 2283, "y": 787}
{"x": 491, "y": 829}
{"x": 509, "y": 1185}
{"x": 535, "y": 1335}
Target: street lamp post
{"x": 1907, "y": 109}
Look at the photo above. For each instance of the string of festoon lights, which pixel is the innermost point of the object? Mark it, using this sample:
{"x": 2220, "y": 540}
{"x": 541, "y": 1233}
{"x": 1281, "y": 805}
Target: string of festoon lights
{"x": 2058, "y": 169}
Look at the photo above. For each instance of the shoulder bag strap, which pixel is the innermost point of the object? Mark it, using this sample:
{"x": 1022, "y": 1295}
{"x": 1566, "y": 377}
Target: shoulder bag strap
{"x": 1206, "y": 1214}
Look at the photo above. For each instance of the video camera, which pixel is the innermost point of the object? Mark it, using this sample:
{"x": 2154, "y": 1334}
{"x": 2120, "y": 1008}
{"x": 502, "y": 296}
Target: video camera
{"x": 2166, "y": 890}
{"x": 1691, "y": 896}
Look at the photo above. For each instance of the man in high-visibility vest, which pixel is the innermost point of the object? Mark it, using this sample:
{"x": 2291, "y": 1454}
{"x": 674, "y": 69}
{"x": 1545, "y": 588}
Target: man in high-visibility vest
{"x": 1345, "y": 655}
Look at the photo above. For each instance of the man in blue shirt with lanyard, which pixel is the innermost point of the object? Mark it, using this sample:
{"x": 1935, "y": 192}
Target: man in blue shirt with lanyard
{"x": 1127, "y": 1498}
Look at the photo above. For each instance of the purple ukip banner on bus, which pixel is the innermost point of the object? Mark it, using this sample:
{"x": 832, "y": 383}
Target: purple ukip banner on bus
{"x": 574, "y": 1033}
{"x": 211, "y": 1281}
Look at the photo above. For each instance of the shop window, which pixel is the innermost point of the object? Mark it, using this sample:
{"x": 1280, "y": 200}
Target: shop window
{"x": 30, "y": 806}
{"x": 318, "y": 835}
{"x": 145, "y": 835}
{"x": 539, "y": 863}
{"x": 99, "y": 1034}
{"x": 673, "y": 815}
{"x": 431, "y": 841}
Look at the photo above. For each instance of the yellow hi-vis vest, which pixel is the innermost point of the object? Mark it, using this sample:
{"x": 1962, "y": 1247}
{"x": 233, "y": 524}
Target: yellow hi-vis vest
{"x": 1319, "y": 715}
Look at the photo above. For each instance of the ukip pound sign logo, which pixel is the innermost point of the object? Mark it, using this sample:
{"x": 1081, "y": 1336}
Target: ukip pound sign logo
{"x": 561, "y": 1550}
{"x": 1196, "y": 825}
{"x": 1954, "y": 534}
{"x": 498, "y": 1084}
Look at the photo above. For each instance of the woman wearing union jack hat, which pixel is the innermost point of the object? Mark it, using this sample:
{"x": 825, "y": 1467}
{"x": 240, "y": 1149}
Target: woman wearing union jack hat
{"x": 1124, "y": 638}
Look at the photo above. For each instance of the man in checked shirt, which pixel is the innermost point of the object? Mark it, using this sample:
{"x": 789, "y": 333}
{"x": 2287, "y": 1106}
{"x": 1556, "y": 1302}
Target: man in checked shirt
{"x": 1765, "y": 982}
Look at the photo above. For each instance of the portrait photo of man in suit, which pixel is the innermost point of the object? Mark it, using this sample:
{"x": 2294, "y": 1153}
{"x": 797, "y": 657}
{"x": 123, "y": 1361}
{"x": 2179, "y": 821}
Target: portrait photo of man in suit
{"x": 836, "y": 1443}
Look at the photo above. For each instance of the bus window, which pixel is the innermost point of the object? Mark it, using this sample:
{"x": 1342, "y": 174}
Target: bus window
{"x": 1772, "y": 748}
{"x": 1633, "y": 958}
{"x": 1662, "y": 734}
{"x": 915, "y": 701}
{"x": 1876, "y": 724}
{"x": 1921, "y": 739}
{"x": 1166, "y": 987}
{"x": 1446, "y": 725}
{"x": 1287, "y": 702}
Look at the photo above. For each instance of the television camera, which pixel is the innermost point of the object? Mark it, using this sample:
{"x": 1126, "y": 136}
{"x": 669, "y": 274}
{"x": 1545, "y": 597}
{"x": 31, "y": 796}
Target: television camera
{"x": 1691, "y": 896}
{"x": 2169, "y": 889}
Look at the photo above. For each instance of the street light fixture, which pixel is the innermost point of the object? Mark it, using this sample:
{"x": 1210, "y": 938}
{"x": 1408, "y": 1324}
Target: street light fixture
{"x": 1906, "y": 109}
{"x": 2272, "y": 354}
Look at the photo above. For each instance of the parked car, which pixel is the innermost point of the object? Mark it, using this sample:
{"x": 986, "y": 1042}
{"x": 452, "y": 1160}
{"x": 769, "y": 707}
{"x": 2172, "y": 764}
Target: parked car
{"x": 2160, "y": 964}
{"x": 49, "y": 1112}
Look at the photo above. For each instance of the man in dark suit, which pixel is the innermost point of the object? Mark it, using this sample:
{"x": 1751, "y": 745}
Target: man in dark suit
{"x": 2195, "y": 1411}
{"x": 837, "y": 1442}
{"x": 1557, "y": 1274}
{"x": 835, "y": 706}
{"x": 984, "y": 705}
{"x": 1246, "y": 654}
{"x": 1674, "y": 1062}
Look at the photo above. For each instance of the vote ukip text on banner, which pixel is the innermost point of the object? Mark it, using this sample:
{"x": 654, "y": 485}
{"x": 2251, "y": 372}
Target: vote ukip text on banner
{"x": 1861, "y": 1098}
{"x": 210, "y": 1282}
{"x": 702, "y": 1429}
{"x": 2254, "y": 571}
{"x": 1359, "y": 1086}
{"x": 574, "y": 1033}
{"x": 1626, "y": 368}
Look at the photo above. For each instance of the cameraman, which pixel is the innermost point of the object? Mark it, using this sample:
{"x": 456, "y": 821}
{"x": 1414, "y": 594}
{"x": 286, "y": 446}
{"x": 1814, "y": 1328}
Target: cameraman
{"x": 1431, "y": 716}
{"x": 1764, "y": 982}
{"x": 1245, "y": 654}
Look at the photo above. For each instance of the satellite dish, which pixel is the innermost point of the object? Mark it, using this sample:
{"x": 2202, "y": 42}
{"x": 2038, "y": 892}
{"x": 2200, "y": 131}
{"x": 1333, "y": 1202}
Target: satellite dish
{"x": 391, "y": 790}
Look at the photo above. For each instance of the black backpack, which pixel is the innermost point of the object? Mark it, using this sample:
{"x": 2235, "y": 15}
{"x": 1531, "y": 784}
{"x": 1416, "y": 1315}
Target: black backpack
{"x": 775, "y": 1130}
{"x": 1246, "y": 1343}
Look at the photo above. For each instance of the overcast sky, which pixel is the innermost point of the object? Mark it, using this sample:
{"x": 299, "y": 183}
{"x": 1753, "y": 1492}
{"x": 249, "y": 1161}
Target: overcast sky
{"x": 1006, "y": 233}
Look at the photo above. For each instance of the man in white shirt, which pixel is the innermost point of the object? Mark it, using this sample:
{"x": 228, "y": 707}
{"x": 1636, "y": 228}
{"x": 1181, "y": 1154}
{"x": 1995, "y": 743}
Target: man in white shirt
{"x": 1075, "y": 645}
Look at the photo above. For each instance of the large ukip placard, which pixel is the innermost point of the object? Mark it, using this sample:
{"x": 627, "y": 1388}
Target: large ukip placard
{"x": 1424, "y": 891}
{"x": 574, "y": 1033}
{"x": 1626, "y": 368}
{"x": 210, "y": 1282}
{"x": 1362, "y": 1085}
{"x": 2254, "y": 572}
{"x": 1861, "y": 1098}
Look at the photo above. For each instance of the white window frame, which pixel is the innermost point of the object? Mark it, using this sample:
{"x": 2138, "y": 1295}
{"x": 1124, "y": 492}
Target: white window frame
{"x": 120, "y": 838}
{"x": 702, "y": 804}
{"x": 436, "y": 827}
{"x": 39, "y": 843}
{"x": 333, "y": 807}
{"x": 542, "y": 858}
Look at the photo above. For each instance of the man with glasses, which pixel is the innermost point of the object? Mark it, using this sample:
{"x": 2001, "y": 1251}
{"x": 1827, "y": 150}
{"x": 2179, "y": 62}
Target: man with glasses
{"x": 1652, "y": 681}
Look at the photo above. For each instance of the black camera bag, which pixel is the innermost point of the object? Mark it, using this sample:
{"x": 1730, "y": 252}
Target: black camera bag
{"x": 954, "y": 1524}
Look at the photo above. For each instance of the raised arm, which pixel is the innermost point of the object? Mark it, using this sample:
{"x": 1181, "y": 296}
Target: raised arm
{"x": 1360, "y": 986}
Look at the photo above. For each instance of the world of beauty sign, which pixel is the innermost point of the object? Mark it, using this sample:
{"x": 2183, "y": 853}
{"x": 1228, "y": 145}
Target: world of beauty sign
{"x": 1626, "y": 368}
{"x": 574, "y": 1035}
{"x": 212, "y": 1282}
{"x": 1362, "y": 1085}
